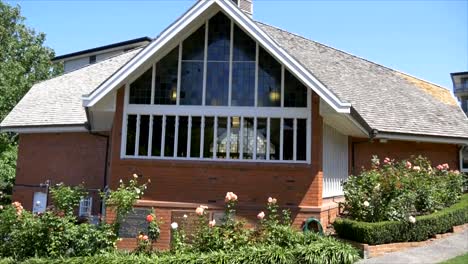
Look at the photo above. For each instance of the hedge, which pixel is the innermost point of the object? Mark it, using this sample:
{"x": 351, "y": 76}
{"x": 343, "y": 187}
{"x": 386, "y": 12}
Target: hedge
{"x": 327, "y": 250}
{"x": 425, "y": 227}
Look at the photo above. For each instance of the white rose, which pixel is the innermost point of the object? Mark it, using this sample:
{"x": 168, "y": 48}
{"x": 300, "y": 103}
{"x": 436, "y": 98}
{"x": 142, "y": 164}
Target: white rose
{"x": 412, "y": 219}
{"x": 366, "y": 204}
{"x": 174, "y": 225}
{"x": 185, "y": 216}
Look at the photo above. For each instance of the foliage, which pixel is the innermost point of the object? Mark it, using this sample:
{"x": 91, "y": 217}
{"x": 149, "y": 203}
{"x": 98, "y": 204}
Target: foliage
{"x": 399, "y": 231}
{"x": 398, "y": 190}
{"x": 145, "y": 242}
{"x": 24, "y": 60}
{"x": 123, "y": 199}
{"x": 66, "y": 198}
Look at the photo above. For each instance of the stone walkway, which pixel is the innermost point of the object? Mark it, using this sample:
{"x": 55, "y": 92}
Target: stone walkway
{"x": 436, "y": 252}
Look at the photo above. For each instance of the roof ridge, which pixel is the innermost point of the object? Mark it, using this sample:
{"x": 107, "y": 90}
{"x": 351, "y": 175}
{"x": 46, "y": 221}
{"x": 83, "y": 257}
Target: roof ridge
{"x": 352, "y": 55}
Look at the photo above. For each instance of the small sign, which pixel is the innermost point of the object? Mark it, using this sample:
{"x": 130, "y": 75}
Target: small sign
{"x": 39, "y": 202}
{"x": 134, "y": 223}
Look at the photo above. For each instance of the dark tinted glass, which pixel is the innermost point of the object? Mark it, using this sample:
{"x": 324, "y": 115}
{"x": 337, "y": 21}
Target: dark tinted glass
{"x": 261, "y": 138}
{"x": 131, "y": 135}
{"x": 140, "y": 89}
{"x": 269, "y": 80}
{"x": 221, "y": 138}
{"x": 193, "y": 47}
{"x": 169, "y": 139}
{"x": 219, "y": 38}
{"x": 208, "y": 137}
{"x": 244, "y": 46}
{"x": 195, "y": 137}
{"x": 275, "y": 138}
{"x": 465, "y": 158}
{"x": 243, "y": 83}
{"x": 182, "y": 137}
{"x": 156, "y": 139}
{"x": 301, "y": 153}
{"x": 288, "y": 139}
{"x": 191, "y": 89}
{"x": 295, "y": 93}
{"x": 165, "y": 91}
{"x": 144, "y": 133}
{"x": 248, "y": 138}
{"x": 217, "y": 83}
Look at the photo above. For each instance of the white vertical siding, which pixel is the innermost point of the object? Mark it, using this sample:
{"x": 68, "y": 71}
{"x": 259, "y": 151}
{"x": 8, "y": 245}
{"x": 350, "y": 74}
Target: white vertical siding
{"x": 335, "y": 161}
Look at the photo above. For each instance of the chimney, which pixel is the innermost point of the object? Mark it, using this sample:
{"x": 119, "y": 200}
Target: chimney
{"x": 245, "y": 5}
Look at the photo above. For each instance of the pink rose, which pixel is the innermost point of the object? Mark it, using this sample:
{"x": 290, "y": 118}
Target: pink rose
{"x": 261, "y": 215}
{"x": 230, "y": 196}
{"x": 145, "y": 237}
{"x": 417, "y": 168}
{"x": 199, "y": 211}
{"x": 408, "y": 165}
{"x": 456, "y": 172}
{"x": 387, "y": 160}
{"x": 270, "y": 200}
{"x": 212, "y": 223}
{"x": 445, "y": 166}
{"x": 440, "y": 167}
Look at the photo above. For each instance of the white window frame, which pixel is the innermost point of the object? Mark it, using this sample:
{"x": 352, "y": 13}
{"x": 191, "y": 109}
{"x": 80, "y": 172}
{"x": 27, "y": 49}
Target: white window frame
{"x": 229, "y": 111}
{"x": 86, "y": 207}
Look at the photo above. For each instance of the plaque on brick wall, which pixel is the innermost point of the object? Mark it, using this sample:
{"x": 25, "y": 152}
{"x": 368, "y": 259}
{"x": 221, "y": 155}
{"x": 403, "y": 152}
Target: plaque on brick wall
{"x": 134, "y": 223}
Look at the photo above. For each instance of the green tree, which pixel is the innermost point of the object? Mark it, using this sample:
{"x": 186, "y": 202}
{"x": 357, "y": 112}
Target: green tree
{"x": 24, "y": 60}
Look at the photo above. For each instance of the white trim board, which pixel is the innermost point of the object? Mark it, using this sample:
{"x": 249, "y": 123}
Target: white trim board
{"x": 45, "y": 129}
{"x": 422, "y": 138}
{"x": 243, "y": 21}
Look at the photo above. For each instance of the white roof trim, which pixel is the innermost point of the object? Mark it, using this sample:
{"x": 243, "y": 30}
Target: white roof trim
{"x": 422, "y": 138}
{"x": 118, "y": 78}
{"x": 45, "y": 129}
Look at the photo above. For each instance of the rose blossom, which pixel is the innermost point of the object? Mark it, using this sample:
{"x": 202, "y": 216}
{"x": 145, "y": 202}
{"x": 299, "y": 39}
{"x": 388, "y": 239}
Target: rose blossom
{"x": 185, "y": 216}
{"x": 135, "y": 176}
{"x": 440, "y": 167}
{"x": 261, "y": 215}
{"x": 230, "y": 196}
{"x": 445, "y": 166}
{"x": 366, "y": 204}
{"x": 408, "y": 165}
{"x": 199, "y": 211}
{"x": 212, "y": 223}
{"x": 174, "y": 225}
{"x": 387, "y": 160}
{"x": 270, "y": 200}
{"x": 149, "y": 218}
{"x": 145, "y": 237}
{"x": 412, "y": 219}
{"x": 204, "y": 207}
{"x": 417, "y": 168}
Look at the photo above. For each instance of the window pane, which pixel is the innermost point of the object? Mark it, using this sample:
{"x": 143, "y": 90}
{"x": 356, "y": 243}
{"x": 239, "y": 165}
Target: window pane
{"x": 244, "y": 46}
{"x": 248, "y": 138}
{"x": 217, "y": 83}
{"x": 221, "y": 138}
{"x": 465, "y": 158}
{"x": 208, "y": 138}
{"x": 140, "y": 89}
{"x": 301, "y": 139}
{"x": 243, "y": 84}
{"x": 269, "y": 80}
{"x": 156, "y": 140}
{"x": 295, "y": 93}
{"x": 193, "y": 47}
{"x": 235, "y": 137}
{"x": 195, "y": 137}
{"x": 288, "y": 139}
{"x": 219, "y": 38}
{"x": 144, "y": 132}
{"x": 261, "y": 138}
{"x": 182, "y": 137}
{"x": 131, "y": 134}
{"x": 169, "y": 139}
{"x": 166, "y": 79}
{"x": 275, "y": 138}
{"x": 191, "y": 88}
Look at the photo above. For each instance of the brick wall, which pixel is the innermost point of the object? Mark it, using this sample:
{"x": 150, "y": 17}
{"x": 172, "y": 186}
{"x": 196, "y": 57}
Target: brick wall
{"x": 71, "y": 158}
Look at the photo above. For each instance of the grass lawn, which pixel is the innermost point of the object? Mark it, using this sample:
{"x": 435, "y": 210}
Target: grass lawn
{"x": 457, "y": 260}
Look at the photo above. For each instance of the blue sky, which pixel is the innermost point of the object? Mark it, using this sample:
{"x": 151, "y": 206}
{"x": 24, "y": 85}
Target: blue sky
{"x": 427, "y": 39}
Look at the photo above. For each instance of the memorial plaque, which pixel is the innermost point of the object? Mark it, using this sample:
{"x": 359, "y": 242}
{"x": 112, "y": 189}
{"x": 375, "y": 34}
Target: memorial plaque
{"x": 134, "y": 223}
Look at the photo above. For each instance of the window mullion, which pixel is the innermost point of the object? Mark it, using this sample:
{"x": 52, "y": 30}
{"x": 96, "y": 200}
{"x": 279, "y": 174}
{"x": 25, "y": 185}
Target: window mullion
{"x": 256, "y": 74}
{"x": 179, "y": 74}
{"x": 215, "y": 136}
{"x": 202, "y": 136}
{"x": 205, "y": 64}
{"x": 163, "y": 135}
{"x": 255, "y": 139}
{"x": 228, "y": 142}
{"x": 137, "y": 136}
{"x": 282, "y": 85}
{"x": 295, "y": 140}
{"x": 153, "y": 83}
{"x": 241, "y": 141}
{"x": 150, "y": 136}
{"x": 189, "y": 135}
{"x": 231, "y": 51}
{"x": 176, "y": 135}
{"x": 268, "y": 139}
{"x": 281, "y": 138}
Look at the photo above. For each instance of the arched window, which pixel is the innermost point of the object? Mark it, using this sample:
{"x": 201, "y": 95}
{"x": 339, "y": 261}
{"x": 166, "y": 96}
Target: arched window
{"x": 218, "y": 95}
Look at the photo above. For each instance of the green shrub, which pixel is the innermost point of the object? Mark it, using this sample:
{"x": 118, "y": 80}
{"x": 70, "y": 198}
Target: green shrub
{"x": 425, "y": 226}
{"x": 397, "y": 190}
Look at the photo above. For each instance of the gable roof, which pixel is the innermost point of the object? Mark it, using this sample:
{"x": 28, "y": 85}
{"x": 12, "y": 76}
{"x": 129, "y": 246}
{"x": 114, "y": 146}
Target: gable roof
{"x": 388, "y": 100}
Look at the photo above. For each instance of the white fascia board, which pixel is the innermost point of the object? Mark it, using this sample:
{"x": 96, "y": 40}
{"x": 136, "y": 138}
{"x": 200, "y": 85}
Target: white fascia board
{"x": 245, "y": 23}
{"x": 45, "y": 129}
{"x": 422, "y": 138}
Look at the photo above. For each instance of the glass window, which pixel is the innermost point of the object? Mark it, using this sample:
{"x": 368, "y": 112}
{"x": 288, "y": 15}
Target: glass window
{"x": 193, "y": 48}
{"x": 219, "y": 38}
{"x": 217, "y": 83}
{"x": 261, "y": 138}
{"x": 191, "y": 88}
{"x": 86, "y": 206}
{"x": 195, "y": 137}
{"x": 144, "y": 135}
{"x": 295, "y": 93}
{"x": 140, "y": 89}
{"x": 156, "y": 138}
{"x": 221, "y": 138}
{"x": 165, "y": 91}
{"x": 131, "y": 135}
{"x": 248, "y": 138}
{"x": 269, "y": 80}
{"x": 243, "y": 84}
{"x": 288, "y": 139}
{"x": 301, "y": 152}
{"x": 169, "y": 138}
{"x": 275, "y": 138}
{"x": 234, "y": 138}
{"x": 208, "y": 137}
{"x": 465, "y": 159}
{"x": 182, "y": 137}
{"x": 244, "y": 46}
